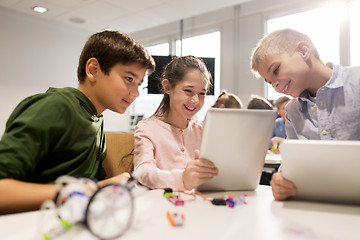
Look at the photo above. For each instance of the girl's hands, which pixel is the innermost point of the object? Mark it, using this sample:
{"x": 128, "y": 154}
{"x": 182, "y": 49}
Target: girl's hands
{"x": 198, "y": 171}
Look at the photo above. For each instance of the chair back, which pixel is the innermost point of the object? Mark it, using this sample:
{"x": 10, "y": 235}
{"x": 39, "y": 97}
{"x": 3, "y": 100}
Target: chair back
{"x": 120, "y": 153}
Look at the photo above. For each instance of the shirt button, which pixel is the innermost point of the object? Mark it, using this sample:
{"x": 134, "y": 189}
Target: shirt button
{"x": 312, "y": 108}
{"x": 182, "y": 150}
{"x": 323, "y": 132}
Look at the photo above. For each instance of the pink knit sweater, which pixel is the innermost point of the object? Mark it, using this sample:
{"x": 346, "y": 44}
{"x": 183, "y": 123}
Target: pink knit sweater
{"x": 162, "y": 152}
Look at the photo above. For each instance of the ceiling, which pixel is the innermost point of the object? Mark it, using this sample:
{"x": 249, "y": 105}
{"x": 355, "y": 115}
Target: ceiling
{"x": 127, "y": 16}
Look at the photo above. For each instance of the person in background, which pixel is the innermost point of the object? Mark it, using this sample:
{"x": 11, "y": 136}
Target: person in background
{"x": 227, "y": 100}
{"x": 60, "y": 132}
{"x": 257, "y": 102}
{"x": 326, "y": 97}
{"x": 167, "y": 143}
{"x": 279, "y": 129}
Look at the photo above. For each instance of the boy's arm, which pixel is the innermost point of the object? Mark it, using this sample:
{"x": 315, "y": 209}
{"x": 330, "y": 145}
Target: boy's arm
{"x": 18, "y": 196}
{"x": 119, "y": 179}
{"x": 289, "y": 128}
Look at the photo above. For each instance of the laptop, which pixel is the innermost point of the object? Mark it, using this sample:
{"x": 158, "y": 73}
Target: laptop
{"x": 327, "y": 171}
{"x": 236, "y": 140}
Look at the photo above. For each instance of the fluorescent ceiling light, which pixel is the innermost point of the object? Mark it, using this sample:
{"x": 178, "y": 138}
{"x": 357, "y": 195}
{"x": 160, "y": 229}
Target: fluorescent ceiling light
{"x": 40, "y": 9}
{"x": 77, "y": 20}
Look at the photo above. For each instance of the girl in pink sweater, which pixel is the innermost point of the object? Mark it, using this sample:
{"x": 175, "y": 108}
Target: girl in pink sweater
{"x": 166, "y": 144}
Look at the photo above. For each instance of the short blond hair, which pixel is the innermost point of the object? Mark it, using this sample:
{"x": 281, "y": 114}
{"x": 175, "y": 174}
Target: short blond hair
{"x": 279, "y": 42}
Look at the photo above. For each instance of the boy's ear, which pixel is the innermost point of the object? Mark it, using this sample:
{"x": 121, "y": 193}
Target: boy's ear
{"x": 304, "y": 50}
{"x": 92, "y": 68}
{"x": 166, "y": 86}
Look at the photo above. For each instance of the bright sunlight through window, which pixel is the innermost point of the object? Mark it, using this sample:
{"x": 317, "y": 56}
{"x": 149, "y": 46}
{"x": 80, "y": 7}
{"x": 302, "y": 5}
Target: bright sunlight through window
{"x": 159, "y": 50}
{"x": 354, "y": 8}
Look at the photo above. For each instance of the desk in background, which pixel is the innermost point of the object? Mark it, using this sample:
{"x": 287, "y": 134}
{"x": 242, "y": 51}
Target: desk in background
{"x": 261, "y": 218}
{"x": 272, "y": 161}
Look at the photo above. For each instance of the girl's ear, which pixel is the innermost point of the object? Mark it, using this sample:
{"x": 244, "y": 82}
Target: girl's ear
{"x": 166, "y": 86}
{"x": 304, "y": 50}
{"x": 92, "y": 69}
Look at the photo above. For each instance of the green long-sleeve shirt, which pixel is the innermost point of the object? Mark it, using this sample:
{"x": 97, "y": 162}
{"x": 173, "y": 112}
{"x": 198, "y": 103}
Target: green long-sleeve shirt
{"x": 52, "y": 134}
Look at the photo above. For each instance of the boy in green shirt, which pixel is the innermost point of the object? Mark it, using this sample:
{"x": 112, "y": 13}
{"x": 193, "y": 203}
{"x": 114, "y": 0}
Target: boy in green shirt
{"x": 60, "y": 132}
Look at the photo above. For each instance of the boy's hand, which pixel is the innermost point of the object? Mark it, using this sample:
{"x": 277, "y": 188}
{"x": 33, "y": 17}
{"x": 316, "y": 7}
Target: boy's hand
{"x": 118, "y": 179}
{"x": 198, "y": 171}
{"x": 282, "y": 188}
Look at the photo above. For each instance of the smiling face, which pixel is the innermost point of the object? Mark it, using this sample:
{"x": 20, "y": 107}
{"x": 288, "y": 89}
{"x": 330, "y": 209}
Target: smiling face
{"x": 287, "y": 73}
{"x": 116, "y": 90}
{"x": 186, "y": 98}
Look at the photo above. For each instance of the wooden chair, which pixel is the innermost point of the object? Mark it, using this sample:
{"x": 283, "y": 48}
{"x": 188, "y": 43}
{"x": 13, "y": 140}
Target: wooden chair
{"x": 120, "y": 153}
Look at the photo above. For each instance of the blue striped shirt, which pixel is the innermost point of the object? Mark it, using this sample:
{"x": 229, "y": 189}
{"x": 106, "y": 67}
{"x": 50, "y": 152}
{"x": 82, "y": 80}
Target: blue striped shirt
{"x": 334, "y": 115}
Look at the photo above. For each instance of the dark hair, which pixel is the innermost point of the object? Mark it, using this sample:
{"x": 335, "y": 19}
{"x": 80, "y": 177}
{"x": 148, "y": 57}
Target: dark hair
{"x": 175, "y": 72}
{"x": 257, "y": 102}
{"x": 111, "y": 48}
{"x": 229, "y": 100}
{"x": 281, "y": 100}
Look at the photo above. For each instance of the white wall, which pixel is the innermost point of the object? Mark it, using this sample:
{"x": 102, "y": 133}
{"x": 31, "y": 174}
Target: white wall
{"x": 37, "y": 54}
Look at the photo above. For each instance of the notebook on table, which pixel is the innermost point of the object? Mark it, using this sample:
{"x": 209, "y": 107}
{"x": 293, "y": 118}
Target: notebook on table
{"x": 236, "y": 140}
{"x": 323, "y": 170}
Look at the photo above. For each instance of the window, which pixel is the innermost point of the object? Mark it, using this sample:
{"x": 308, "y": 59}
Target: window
{"x": 354, "y": 16}
{"x": 159, "y": 49}
{"x": 321, "y": 25}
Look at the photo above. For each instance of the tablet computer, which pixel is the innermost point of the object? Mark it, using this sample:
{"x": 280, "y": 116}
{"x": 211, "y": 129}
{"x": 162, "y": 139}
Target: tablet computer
{"x": 323, "y": 170}
{"x": 236, "y": 140}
